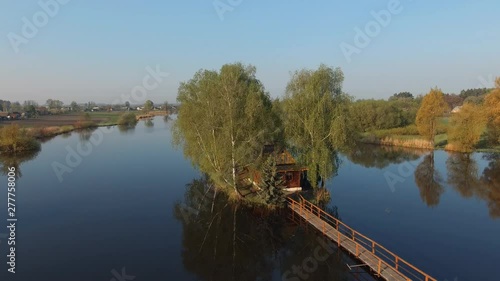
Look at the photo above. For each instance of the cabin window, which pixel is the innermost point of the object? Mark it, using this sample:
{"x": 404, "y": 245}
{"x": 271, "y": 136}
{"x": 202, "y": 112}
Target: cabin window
{"x": 289, "y": 176}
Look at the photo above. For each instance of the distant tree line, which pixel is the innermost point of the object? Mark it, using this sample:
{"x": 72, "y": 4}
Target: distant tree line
{"x": 53, "y": 106}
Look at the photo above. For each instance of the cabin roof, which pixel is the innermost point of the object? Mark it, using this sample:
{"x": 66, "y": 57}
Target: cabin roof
{"x": 283, "y": 156}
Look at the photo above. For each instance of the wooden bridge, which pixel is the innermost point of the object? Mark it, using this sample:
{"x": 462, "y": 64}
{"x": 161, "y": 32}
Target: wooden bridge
{"x": 380, "y": 261}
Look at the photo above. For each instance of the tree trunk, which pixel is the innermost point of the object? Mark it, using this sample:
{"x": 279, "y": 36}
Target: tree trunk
{"x": 235, "y": 181}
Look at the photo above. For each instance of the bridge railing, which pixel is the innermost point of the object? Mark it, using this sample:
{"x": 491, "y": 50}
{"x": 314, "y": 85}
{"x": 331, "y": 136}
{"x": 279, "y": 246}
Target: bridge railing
{"x": 384, "y": 256}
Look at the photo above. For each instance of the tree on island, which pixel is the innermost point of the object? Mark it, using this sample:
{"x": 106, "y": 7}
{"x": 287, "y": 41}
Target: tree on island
{"x": 272, "y": 184}
{"x": 225, "y": 119}
{"x": 317, "y": 120}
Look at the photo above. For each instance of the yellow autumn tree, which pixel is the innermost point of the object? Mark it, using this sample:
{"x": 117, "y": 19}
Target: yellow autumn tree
{"x": 466, "y": 128}
{"x": 433, "y": 106}
{"x": 492, "y": 109}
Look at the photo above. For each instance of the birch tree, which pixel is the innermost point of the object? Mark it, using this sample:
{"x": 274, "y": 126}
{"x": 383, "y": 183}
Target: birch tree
{"x": 317, "y": 121}
{"x": 224, "y": 121}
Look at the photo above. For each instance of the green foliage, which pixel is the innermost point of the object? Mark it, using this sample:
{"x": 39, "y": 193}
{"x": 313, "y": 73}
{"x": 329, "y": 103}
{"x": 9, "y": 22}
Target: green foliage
{"x": 380, "y": 114}
{"x": 433, "y": 106}
{"x": 225, "y": 119}
{"x": 317, "y": 119}
{"x": 474, "y": 100}
{"x": 466, "y": 127}
{"x": 464, "y": 94}
{"x": 492, "y": 110}
{"x": 271, "y": 184}
{"x": 402, "y": 95}
{"x": 148, "y": 106}
{"x": 127, "y": 120}
{"x": 74, "y": 106}
{"x": 14, "y": 140}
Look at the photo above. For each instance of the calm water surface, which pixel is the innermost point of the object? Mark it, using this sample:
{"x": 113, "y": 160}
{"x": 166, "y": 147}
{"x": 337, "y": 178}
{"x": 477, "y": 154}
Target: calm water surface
{"x": 135, "y": 205}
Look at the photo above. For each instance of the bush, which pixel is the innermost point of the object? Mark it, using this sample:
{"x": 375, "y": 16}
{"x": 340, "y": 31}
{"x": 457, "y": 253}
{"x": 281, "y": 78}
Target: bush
{"x": 13, "y": 140}
{"x": 85, "y": 122}
{"x": 128, "y": 120}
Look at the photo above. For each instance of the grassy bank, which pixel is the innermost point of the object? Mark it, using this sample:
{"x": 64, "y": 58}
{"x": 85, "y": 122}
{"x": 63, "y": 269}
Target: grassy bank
{"x": 409, "y": 137}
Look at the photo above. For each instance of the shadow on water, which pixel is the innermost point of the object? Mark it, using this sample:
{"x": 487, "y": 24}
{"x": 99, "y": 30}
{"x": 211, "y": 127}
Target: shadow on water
{"x": 226, "y": 241}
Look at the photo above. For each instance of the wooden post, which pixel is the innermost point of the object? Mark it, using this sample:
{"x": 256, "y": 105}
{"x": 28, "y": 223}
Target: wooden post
{"x": 357, "y": 250}
{"x": 379, "y": 266}
{"x": 397, "y": 263}
{"x": 373, "y": 247}
{"x": 338, "y": 241}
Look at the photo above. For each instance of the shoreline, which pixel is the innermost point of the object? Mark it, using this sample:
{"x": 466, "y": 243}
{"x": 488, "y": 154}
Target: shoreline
{"x": 419, "y": 144}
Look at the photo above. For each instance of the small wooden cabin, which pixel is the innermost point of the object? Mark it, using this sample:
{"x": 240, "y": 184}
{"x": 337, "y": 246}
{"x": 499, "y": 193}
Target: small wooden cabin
{"x": 294, "y": 176}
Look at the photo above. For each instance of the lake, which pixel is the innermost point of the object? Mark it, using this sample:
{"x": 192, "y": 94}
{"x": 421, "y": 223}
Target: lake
{"x": 125, "y": 205}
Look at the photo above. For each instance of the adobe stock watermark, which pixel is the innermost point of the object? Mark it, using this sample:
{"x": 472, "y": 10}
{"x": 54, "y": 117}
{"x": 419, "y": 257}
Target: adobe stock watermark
{"x": 121, "y": 276}
{"x": 138, "y": 94}
{"x": 31, "y": 26}
{"x": 486, "y": 82}
{"x": 223, "y": 6}
{"x": 404, "y": 171}
{"x": 364, "y": 36}
{"x": 310, "y": 264}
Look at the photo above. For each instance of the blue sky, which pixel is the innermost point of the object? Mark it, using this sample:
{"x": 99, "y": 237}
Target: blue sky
{"x": 98, "y": 50}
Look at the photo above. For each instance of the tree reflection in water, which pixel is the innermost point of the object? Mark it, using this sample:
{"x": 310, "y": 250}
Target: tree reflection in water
{"x": 85, "y": 134}
{"x": 376, "y": 156}
{"x": 15, "y": 160}
{"x": 149, "y": 123}
{"x": 224, "y": 241}
{"x": 429, "y": 181}
{"x": 463, "y": 174}
{"x": 491, "y": 184}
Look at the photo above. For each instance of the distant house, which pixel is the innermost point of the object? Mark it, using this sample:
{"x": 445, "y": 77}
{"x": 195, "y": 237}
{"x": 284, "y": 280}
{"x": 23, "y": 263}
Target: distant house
{"x": 293, "y": 175}
{"x": 96, "y": 108}
{"x": 456, "y": 109}
{"x": 42, "y": 110}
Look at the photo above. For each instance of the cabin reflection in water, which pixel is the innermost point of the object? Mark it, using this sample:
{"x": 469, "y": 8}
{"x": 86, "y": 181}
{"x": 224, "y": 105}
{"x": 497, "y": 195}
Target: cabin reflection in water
{"x": 293, "y": 175}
